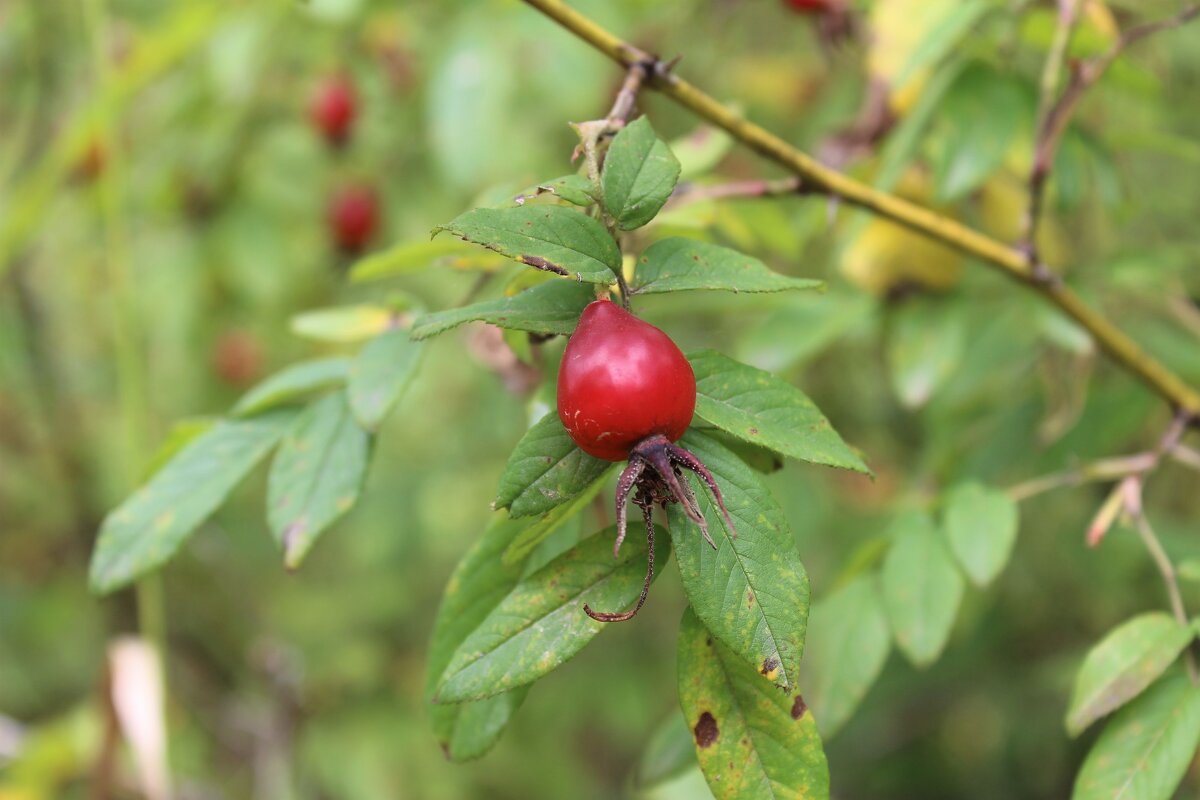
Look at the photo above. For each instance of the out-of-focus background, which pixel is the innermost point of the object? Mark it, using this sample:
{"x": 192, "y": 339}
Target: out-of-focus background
{"x": 165, "y": 212}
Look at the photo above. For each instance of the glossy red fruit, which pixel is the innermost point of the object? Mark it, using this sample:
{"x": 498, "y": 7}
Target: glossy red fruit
{"x": 622, "y": 381}
{"x": 334, "y": 108}
{"x": 353, "y": 216}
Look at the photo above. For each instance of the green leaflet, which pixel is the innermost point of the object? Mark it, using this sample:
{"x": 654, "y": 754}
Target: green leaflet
{"x": 922, "y": 588}
{"x": 981, "y": 525}
{"x": 293, "y": 383}
{"x": 316, "y": 475}
{"x": 537, "y": 531}
{"x": 1131, "y": 657}
{"x": 752, "y": 592}
{"x": 678, "y": 264}
{"x": 149, "y": 527}
{"x": 759, "y": 408}
{"x": 404, "y": 259}
{"x": 540, "y": 624}
{"x": 545, "y": 469}
{"x": 1145, "y": 750}
{"x": 639, "y": 175}
{"x": 668, "y": 753}
{"x": 752, "y": 740}
{"x": 343, "y": 324}
{"x": 574, "y": 189}
{"x": 551, "y": 307}
{"x": 379, "y": 375}
{"x": 479, "y": 582}
{"x": 848, "y": 644}
{"x": 552, "y": 238}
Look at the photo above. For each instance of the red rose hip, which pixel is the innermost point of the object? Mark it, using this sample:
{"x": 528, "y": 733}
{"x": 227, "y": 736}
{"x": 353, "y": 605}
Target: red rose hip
{"x": 625, "y": 391}
{"x": 334, "y": 108}
{"x": 621, "y": 381}
{"x": 809, "y": 6}
{"x": 353, "y": 216}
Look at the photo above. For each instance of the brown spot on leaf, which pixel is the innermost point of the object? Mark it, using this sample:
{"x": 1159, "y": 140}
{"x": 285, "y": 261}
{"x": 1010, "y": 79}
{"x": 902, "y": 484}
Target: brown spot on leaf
{"x": 537, "y": 262}
{"x": 769, "y": 665}
{"x": 706, "y": 730}
{"x": 749, "y": 599}
{"x": 754, "y": 431}
{"x": 799, "y": 707}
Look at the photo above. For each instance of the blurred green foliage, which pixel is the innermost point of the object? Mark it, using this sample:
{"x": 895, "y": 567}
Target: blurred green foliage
{"x": 202, "y": 232}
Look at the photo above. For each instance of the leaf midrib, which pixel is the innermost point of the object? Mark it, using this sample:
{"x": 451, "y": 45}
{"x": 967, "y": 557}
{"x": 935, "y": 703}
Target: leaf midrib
{"x": 1139, "y": 765}
{"x": 775, "y": 640}
{"x": 605, "y": 266}
{"x": 333, "y": 439}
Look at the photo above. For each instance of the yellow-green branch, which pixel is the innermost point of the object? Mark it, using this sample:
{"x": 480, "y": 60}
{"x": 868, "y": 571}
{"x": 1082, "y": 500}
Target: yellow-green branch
{"x": 1013, "y": 262}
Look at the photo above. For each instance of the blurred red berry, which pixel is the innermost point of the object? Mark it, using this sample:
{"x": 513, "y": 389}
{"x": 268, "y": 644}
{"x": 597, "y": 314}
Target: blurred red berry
{"x": 334, "y": 107}
{"x": 237, "y": 358}
{"x": 809, "y": 6}
{"x": 353, "y": 217}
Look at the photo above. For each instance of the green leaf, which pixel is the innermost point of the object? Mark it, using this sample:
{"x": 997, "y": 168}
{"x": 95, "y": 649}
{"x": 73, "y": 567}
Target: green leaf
{"x": 921, "y": 588}
{"x": 479, "y": 582}
{"x": 808, "y": 325}
{"x": 554, "y": 238}
{"x": 700, "y": 151}
{"x": 343, "y": 324}
{"x": 404, "y": 259}
{"x": 667, "y": 754}
{"x": 551, "y": 307}
{"x": 759, "y": 408}
{"x": 639, "y": 175}
{"x": 545, "y": 469}
{"x": 1126, "y": 661}
{"x": 982, "y": 115}
{"x": 981, "y": 525}
{"x": 752, "y": 591}
{"x": 293, "y": 383}
{"x": 541, "y": 624}
{"x": 752, "y": 740}
{"x": 760, "y": 459}
{"x": 574, "y": 189}
{"x": 380, "y": 374}
{"x": 537, "y": 532}
{"x": 1189, "y": 570}
{"x": 956, "y": 21}
{"x": 848, "y": 644}
{"x": 1145, "y": 750}
{"x": 145, "y": 531}
{"x": 678, "y": 264}
{"x": 316, "y": 475}
{"x": 182, "y": 434}
{"x": 925, "y": 347}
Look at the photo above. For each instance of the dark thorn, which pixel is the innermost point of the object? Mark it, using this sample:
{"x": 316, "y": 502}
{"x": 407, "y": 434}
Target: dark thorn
{"x": 625, "y": 615}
